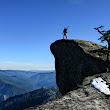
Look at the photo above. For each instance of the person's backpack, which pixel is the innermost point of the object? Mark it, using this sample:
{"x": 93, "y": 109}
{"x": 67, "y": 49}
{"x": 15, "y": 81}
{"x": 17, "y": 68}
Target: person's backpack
{"x": 65, "y": 30}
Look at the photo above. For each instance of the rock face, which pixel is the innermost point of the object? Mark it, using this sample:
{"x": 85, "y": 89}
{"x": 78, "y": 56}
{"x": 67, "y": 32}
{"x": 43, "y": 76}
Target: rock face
{"x": 75, "y": 60}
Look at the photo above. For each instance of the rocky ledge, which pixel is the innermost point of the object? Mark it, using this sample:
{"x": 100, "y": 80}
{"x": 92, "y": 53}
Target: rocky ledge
{"x": 83, "y": 98}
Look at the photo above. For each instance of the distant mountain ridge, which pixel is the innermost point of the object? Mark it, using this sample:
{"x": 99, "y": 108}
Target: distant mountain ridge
{"x": 34, "y": 98}
{"x": 15, "y": 82}
{"x": 45, "y": 80}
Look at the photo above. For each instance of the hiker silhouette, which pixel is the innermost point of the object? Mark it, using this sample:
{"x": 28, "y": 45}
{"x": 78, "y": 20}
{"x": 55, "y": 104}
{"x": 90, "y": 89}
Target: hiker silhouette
{"x": 65, "y": 36}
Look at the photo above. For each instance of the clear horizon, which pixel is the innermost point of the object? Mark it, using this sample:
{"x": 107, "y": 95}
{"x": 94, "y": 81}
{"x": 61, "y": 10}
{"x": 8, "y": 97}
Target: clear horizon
{"x": 28, "y": 27}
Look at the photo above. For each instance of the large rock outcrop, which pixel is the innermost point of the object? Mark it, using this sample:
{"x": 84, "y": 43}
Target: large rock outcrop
{"x": 75, "y": 60}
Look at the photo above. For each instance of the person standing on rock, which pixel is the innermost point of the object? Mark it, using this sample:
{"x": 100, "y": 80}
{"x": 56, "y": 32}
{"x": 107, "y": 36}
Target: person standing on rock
{"x": 65, "y": 33}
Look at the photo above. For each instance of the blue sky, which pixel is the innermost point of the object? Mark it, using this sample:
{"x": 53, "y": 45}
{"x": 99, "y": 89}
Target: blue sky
{"x": 28, "y": 27}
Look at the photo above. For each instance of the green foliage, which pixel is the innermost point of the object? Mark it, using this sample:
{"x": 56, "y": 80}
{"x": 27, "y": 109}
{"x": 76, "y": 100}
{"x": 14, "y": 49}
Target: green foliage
{"x": 105, "y": 34}
{"x": 105, "y": 37}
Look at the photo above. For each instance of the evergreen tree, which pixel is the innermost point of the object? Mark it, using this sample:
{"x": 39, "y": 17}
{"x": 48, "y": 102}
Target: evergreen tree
{"x": 105, "y": 37}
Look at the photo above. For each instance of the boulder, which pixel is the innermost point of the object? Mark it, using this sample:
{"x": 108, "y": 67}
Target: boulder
{"x": 75, "y": 60}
